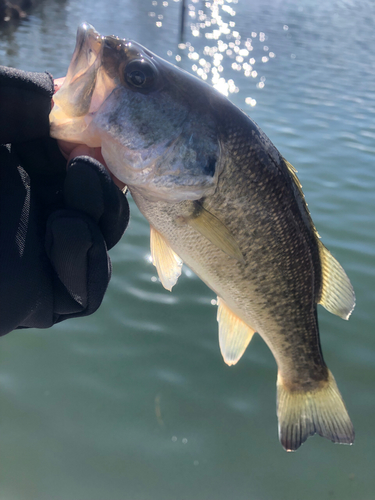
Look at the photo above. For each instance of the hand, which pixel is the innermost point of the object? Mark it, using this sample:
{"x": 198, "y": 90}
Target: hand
{"x": 70, "y": 150}
{"x": 56, "y": 225}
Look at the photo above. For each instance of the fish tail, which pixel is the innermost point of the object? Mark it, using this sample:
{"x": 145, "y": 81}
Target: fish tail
{"x": 304, "y": 413}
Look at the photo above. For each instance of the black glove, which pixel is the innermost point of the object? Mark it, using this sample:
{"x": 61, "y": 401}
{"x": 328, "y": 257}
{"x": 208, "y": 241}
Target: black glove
{"x": 56, "y": 225}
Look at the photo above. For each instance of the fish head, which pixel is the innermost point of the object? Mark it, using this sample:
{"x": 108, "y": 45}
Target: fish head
{"x": 154, "y": 122}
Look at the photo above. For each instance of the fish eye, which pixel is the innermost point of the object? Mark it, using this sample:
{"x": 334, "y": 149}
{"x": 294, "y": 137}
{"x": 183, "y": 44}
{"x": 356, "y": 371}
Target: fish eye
{"x": 140, "y": 74}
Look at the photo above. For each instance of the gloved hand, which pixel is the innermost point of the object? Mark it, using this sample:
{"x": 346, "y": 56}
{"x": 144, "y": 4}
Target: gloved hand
{"x": 56, "y": 224}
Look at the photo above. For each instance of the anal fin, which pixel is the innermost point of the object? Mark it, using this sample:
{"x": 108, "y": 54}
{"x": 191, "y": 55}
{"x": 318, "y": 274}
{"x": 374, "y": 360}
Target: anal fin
{"x": 234, "y": 334}
{"x": 166, "y": 261}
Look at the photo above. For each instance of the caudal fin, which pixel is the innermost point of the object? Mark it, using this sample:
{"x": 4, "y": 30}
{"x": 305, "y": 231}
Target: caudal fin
{"x": 302, "y": 414}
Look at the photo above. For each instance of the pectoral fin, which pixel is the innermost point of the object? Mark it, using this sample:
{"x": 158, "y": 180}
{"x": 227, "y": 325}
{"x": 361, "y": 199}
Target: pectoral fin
{"x": 234, "y": 334}
{"x": 216, "y": 232}
{"x": 337, "y": 295}
{"x": 166, "y": 261}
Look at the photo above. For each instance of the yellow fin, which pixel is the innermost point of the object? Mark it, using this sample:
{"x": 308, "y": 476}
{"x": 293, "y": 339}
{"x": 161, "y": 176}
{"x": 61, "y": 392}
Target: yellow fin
{"x": 303, "y": 413}
{"x": 216, "y": 232}
{"x": 166, "y": 261}
{"x": 234, "y": 334}
{"x": 337, "y": 295}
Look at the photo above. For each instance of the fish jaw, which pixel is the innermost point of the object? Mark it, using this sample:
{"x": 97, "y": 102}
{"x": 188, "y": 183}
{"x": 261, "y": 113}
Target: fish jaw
{"x": 84, "y": 89}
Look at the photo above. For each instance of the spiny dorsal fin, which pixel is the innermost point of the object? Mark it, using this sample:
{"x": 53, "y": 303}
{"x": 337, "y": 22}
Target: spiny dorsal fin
{"x": 234, "y": 334}
{"x": 303, "y": 413}
{"x": 293, "y": 174}
{"x": 166, "y": 261}
{"x": 216, "y": 232}
{"x": 337, "y": 295}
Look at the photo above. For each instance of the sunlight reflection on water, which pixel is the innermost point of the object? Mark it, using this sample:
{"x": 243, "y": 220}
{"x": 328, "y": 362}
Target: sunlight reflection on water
{"x": 226, "y": 50}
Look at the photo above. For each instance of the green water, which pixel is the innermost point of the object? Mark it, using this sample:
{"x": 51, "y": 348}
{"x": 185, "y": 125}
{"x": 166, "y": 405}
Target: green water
{"x": 135, "y": 402}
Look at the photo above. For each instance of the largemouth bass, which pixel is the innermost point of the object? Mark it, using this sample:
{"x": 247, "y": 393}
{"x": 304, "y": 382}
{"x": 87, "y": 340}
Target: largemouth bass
{"x": 219, "y": 197}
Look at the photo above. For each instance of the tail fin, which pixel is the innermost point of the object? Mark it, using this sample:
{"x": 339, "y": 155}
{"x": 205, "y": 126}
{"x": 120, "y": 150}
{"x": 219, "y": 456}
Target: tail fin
{"x": 302, "y": 414}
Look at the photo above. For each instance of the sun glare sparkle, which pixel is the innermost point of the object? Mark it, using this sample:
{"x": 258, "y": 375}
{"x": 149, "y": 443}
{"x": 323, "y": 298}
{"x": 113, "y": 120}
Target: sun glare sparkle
{"x": 227, "y": 48}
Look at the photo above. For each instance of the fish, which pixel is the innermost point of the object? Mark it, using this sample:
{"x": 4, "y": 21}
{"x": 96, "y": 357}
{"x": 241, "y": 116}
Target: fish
{"x": 220, "y": 198}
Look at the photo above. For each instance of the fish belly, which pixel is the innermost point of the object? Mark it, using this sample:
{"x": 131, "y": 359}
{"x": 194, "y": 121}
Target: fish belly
{"x": 252, "y": 289}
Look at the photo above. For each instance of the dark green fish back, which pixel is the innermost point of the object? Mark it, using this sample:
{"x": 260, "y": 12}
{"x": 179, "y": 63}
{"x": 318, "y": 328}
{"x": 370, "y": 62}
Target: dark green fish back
{"x": 275, "y": 179}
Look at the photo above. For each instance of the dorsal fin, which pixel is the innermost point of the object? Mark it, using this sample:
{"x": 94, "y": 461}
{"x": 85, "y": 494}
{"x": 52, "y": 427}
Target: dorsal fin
{"x": 293, "y": 174}
{"x": 166, "y": 261}
{"x": 234, "y": 334}
{"x": 337, "y": 294}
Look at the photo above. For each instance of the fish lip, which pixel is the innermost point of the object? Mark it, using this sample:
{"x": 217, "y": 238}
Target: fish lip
{"x": 86, "y": 32}
{"x": 88, "y": 47}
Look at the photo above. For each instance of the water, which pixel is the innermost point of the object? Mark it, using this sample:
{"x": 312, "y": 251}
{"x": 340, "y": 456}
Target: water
{"x": 135, "y": 402}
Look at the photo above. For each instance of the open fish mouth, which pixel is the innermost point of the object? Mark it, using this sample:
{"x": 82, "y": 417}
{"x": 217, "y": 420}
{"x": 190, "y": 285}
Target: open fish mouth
{"x": 74, "y": 92}
{"x": 73, "y": 100}
{"x": 81, "y": 77}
